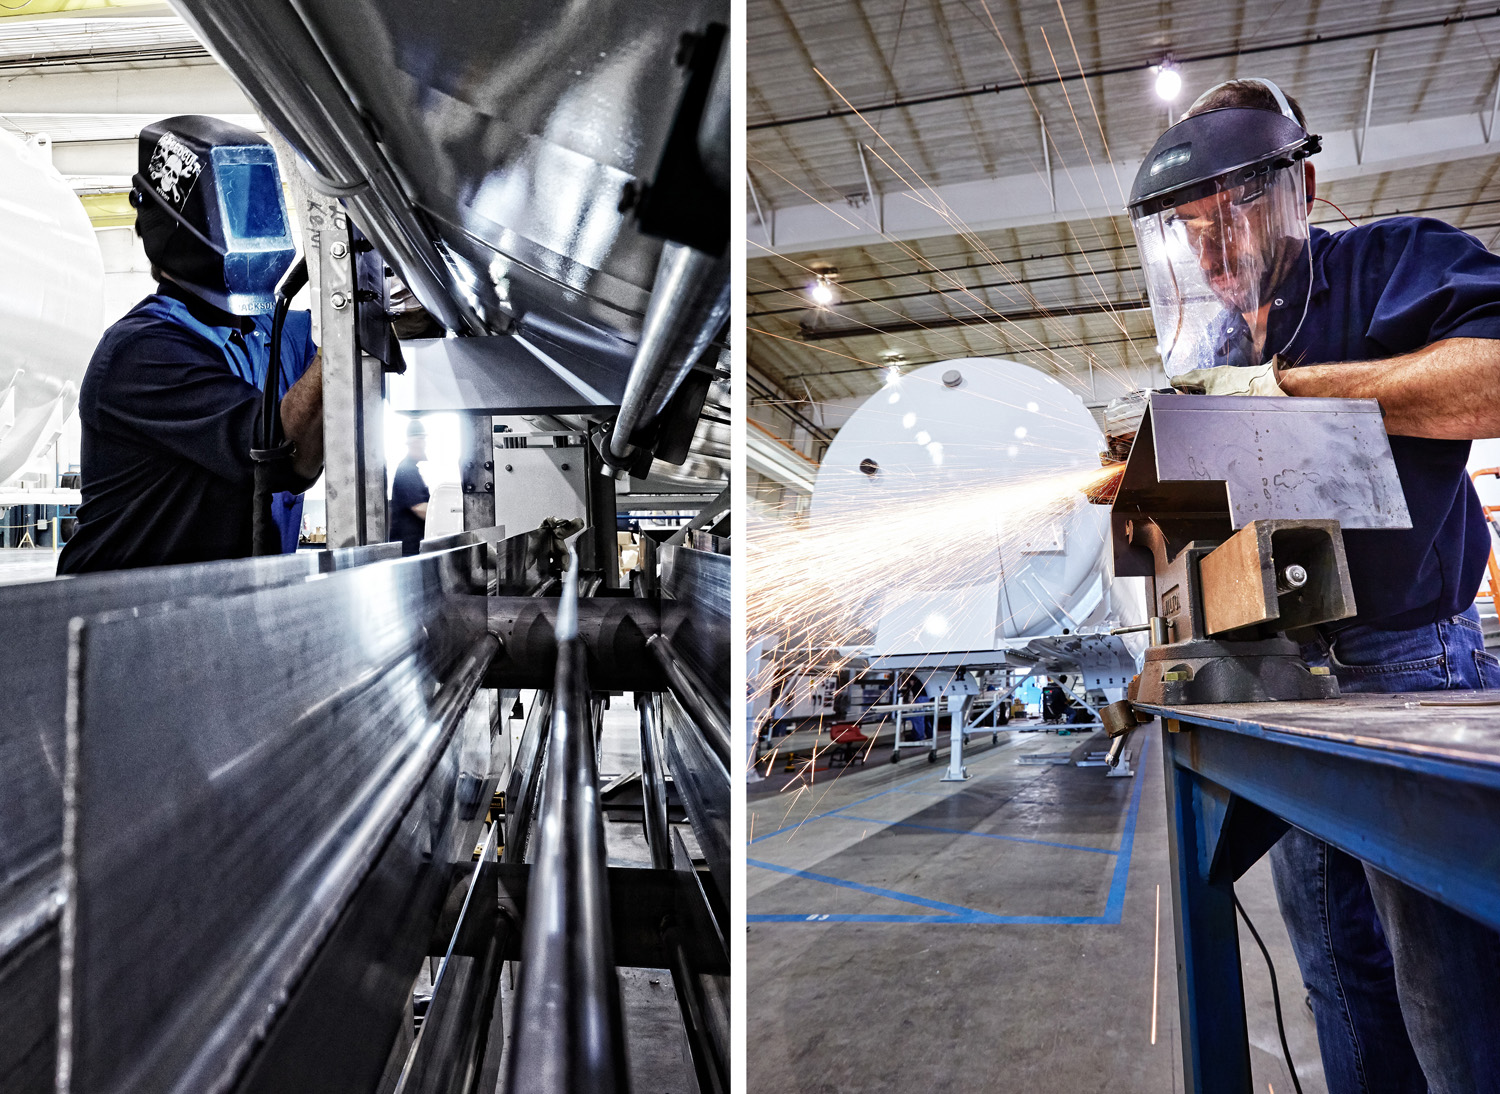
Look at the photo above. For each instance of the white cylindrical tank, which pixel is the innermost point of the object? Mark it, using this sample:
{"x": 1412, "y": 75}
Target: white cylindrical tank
{"x": 965, "y": 447}
{"x": 51, "y": 302}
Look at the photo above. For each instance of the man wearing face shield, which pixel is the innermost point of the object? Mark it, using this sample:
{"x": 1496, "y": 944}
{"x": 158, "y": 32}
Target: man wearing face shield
{"x": 170, "y": 405}
{"x": 1248, "y": 299}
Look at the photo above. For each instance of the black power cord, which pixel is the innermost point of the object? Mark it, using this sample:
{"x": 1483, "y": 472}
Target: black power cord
{"x": 1275, "y": 993}
{"x": 272, "y": 454}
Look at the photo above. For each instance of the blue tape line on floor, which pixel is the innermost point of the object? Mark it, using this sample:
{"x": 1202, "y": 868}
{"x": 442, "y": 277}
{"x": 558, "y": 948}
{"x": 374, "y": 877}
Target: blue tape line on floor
{"x": 1114, "y": 907}
{"x": 966, "y": 832}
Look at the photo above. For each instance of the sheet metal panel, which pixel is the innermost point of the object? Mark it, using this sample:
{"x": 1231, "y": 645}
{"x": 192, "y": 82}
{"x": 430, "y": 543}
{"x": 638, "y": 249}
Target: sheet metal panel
{"x": 33, "y": 673}
{"x": 306, "y": 755}
{"x": 698, "y": 581}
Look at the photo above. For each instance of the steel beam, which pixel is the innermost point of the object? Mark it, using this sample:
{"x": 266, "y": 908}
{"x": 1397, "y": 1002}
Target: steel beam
{"x": 353, "y": 408}
{"x": 303, "y": 792}
{"x": 476, "y": 447}
{"x": 34, "y": 674}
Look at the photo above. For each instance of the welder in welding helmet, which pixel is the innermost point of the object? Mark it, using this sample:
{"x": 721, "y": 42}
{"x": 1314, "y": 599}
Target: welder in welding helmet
{"x": 210, "y": 212}
{"x": 1219, "y": 210}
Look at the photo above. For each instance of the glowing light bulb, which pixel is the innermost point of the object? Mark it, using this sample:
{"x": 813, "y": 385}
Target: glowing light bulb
{"x": 1168, "y": 81}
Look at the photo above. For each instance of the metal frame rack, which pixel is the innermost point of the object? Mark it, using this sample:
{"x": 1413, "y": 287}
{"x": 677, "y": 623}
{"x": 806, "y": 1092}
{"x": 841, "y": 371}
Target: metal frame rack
{"x": 1407, "y": 783}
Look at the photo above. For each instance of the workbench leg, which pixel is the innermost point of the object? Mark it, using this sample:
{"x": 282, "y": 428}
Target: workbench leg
{"x": 1210, "y": 993}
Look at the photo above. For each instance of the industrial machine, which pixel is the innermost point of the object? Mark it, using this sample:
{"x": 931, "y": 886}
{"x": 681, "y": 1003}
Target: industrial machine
{"x": 1018, "y": 580}
{"x": 244, "y": 804}
{"x": 1234, "y": 508}
{"x": 51, "y": 278}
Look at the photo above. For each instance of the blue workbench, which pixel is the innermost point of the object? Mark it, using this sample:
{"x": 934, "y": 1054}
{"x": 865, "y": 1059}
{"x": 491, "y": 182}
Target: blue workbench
{"x": 1408, "y": 783}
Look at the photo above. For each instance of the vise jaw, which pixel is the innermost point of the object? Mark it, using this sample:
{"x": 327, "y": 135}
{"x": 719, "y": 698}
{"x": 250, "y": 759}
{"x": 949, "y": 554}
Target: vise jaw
{"x": 1234, "y": 506}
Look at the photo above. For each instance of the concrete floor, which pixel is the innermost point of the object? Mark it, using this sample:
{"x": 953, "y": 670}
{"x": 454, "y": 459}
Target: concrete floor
{"x": 997, "y": 934}
{"x": 19, "y": 564}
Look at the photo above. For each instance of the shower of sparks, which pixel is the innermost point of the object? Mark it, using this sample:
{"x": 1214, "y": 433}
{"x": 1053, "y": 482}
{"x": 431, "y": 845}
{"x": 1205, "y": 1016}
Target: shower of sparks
{"x": 811, "y": 587}
{"x": 814, "y": 586}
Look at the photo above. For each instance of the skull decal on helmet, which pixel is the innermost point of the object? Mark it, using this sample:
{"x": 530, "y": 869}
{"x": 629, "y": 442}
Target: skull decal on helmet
{"x": 173, "y": 169}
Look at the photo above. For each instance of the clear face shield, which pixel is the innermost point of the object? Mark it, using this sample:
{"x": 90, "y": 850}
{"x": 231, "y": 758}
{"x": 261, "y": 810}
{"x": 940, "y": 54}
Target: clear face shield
{"x": 1214, "y": 264}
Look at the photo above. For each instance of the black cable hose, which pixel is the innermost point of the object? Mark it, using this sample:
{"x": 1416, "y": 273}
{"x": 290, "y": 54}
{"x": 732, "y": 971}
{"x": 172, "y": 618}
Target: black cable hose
{"x": 265, "y": 536}
{"x": 1275, "y": 994}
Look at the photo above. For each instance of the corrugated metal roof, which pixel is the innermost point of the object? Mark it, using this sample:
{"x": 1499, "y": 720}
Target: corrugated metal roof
{"x": 1040, "y": 293}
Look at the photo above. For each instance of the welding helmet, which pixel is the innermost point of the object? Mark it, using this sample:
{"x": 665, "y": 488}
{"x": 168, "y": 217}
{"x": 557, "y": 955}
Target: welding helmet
{"x": 1219, "y": 210}
{"x": 210, "y": 212}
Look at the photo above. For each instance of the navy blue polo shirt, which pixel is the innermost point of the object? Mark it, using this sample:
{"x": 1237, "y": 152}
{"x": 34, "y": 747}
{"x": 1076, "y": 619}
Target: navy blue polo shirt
{"x": 167, "y": 427}
{"x": 1381, "y": 290}
{"x": 408, "y": 488}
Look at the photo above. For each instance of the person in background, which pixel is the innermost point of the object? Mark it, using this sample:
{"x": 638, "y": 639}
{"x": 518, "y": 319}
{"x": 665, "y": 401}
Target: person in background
{"x": 409, "y": 494}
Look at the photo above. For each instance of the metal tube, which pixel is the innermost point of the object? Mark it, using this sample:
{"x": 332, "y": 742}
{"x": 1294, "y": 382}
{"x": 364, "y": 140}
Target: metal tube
{"x": 711, "y": 1070}
{"x": 569, "y": 1033}
{"x": 696, "y": 696}
{"x": 448, "y": 1056}
{"x": 689, "y": 303}
{"x": 654, "y": 783}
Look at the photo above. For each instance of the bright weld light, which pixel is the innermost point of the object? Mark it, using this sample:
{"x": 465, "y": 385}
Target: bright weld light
{"x": 892, "y": 376}
{"x": 822, "y": 292}
{"x": 935, "y": 624}
{"x": 924, "y": 437}
{"x": 935, "y": 450}
{"x": 1020, "y": 432}
{"x": 1168, "y": 81}
{"x": 908, "y": 419}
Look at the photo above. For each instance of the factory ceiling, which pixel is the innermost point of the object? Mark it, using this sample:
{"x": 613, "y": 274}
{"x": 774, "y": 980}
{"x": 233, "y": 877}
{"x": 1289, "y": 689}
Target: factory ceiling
{"x": 900, "y": 145}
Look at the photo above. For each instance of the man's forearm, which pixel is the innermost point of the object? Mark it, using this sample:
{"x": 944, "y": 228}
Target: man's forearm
{"x": 302, "y": 420}
{"x": 1448, "y": 390}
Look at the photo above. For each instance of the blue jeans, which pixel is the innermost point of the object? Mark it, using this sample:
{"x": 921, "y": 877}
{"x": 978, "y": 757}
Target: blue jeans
{"x": 1405, "y": 991}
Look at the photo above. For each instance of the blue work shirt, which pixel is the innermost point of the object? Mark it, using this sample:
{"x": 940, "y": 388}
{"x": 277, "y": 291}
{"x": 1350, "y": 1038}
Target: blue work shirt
{"x": 1381, "y": 290}
{"x": 170, "y": 407}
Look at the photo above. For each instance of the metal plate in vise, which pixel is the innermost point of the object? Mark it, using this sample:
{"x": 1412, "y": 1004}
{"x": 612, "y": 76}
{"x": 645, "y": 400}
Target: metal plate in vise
{"x": 266, "y": 797}
{"x": 1204, "y": 465}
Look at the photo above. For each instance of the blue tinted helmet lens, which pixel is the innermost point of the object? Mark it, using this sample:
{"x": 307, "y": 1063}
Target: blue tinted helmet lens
{"x": 251, "y": 197}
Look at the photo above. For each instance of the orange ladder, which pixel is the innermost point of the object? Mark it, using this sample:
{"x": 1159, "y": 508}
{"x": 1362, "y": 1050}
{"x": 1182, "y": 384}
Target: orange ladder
{"x": 1489, "y": 515}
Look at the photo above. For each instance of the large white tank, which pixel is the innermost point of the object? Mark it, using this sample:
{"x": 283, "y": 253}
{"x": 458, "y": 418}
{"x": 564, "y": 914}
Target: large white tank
{"x": 51, "y": 301}
{"x": 981, "y": 460}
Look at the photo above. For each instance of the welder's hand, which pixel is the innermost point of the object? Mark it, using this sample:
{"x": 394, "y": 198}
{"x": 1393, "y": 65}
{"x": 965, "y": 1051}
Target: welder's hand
{"x": 1231, "y": 380}
{"x": 1122, "y": 421}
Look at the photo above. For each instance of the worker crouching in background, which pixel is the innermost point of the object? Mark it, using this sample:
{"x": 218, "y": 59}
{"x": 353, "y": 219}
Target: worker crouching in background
{"x": 1248, "y": 299}
{"x": 170, "y": 406}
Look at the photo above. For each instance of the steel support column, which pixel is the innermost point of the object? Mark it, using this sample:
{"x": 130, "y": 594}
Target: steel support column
{"x": 353, "y": 407}
{"x": 477, "y": 455}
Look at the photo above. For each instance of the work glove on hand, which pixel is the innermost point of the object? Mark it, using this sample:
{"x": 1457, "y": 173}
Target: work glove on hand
{"x": 1231, "y": 380}
{"x": 1122, "y": 420}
